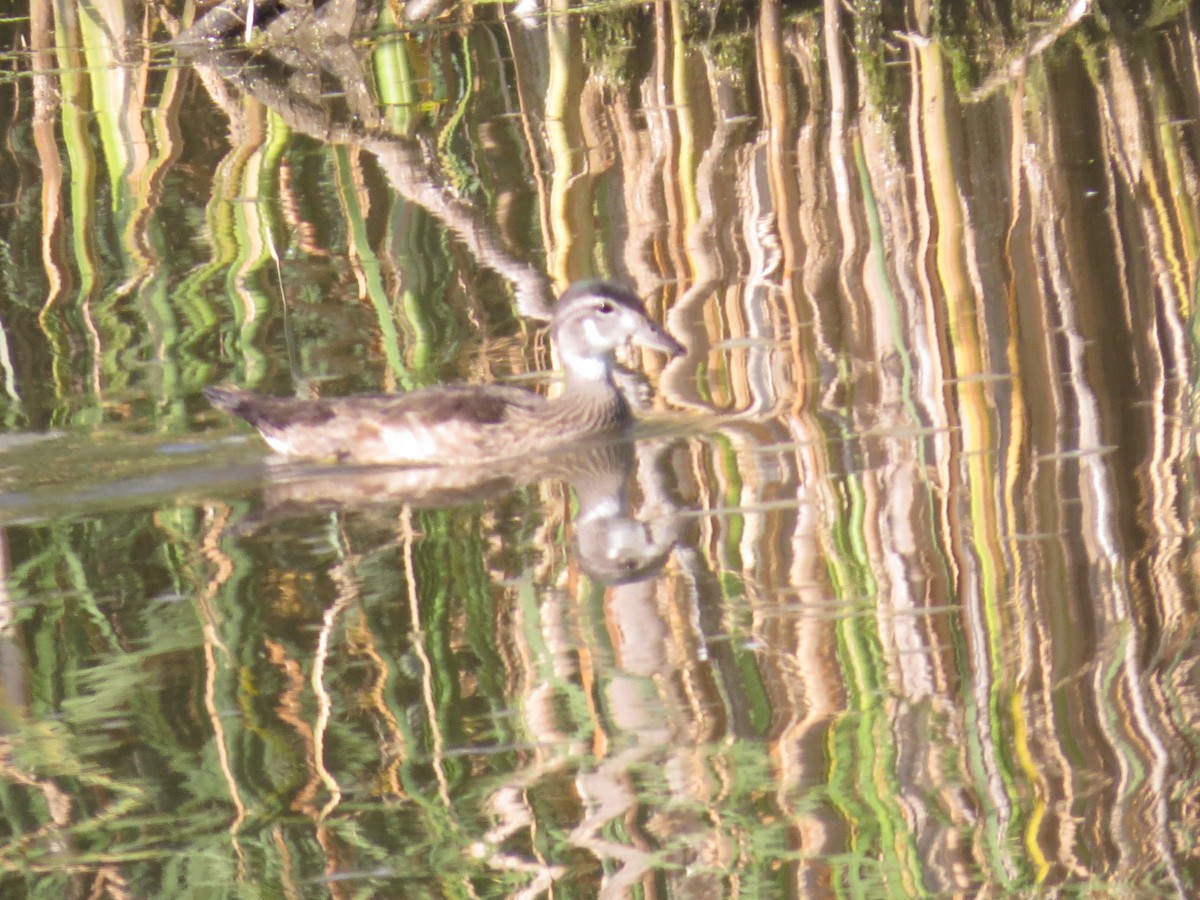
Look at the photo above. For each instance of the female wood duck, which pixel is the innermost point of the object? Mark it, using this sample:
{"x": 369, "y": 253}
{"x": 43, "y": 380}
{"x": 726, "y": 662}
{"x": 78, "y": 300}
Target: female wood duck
{"x": 466, "y": 424}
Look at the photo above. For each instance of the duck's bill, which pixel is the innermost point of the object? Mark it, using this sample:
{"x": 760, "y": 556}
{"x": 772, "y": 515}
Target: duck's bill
{"x": 654, "y": 338}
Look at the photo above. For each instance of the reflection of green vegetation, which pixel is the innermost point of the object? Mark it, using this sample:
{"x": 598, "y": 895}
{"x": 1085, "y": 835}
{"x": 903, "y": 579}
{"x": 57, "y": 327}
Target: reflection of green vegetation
{"x": 1134, "y": 16}
{"x": 863, "y": 781}
{"x": 394, "y": 77}
{"x": 120, "y": 662}
{"x": 614, "y": 35}
{"x": 451, "y": 132}
{"x": 610, "y": 41}
{"x": 369, "y": 265}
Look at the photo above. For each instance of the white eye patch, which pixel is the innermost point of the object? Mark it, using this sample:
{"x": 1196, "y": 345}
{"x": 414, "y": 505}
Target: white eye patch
{"x": 593, "y": 333}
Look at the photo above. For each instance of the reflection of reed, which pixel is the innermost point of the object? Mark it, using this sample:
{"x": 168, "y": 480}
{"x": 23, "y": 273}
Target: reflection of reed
{"x": 920, "y": 339}
{"x": 283, "y": 83}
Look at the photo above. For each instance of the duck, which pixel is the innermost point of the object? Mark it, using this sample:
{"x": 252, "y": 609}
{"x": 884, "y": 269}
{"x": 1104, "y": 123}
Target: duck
{"x": 465, "y": 425}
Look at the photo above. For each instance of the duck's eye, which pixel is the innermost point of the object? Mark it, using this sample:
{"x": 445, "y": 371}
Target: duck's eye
{"x": 605, "y": 308}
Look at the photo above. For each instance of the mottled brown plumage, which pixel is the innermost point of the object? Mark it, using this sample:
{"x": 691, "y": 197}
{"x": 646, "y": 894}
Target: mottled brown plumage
{"x": 464, "y": 424}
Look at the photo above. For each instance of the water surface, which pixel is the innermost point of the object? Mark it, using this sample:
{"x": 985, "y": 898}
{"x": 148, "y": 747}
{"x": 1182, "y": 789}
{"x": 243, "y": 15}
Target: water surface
{"x": 894, "y": 594}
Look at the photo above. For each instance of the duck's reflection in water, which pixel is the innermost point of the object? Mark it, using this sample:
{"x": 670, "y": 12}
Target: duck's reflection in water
{"x": 612, "y": 545}
{"x": 627, "y": 522}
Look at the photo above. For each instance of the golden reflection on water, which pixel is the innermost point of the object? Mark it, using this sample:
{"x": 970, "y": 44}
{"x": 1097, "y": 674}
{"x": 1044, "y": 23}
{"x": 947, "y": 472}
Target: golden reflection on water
{"x": 896, "y": 596}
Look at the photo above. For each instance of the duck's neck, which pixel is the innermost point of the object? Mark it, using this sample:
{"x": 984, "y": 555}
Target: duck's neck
{"x": 588, "y": 373}
{"x": 589, "y": 382}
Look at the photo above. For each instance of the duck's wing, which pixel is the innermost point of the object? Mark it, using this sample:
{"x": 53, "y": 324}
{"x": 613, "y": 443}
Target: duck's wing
{"x": 453, "y": 425}
{"x": 454, "y": 405}
{"x": 421, "y": 426}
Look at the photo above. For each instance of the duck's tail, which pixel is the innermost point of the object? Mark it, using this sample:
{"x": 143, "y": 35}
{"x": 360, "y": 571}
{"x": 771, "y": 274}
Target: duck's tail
{"x": 239, "y": 403}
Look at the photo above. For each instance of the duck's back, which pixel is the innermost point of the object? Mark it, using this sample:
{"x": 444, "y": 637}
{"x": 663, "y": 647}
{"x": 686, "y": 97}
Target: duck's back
{"x": 443, "y": 425}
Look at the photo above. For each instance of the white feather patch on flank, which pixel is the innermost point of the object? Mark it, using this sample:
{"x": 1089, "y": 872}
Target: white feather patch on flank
{"x": 409, "y": 444}
{"x": 280, "y": 445}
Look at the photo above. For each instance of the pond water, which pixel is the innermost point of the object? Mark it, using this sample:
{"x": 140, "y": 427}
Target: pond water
{"x": 891, "y": 592}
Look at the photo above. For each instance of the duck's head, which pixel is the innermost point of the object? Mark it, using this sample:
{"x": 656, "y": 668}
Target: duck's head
{"x": 593, "y": 318}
